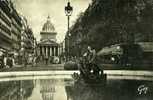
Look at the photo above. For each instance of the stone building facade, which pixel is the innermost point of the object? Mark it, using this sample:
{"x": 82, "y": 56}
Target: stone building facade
{"x": 48, "y": 45}
{"x": 10, "y": 27}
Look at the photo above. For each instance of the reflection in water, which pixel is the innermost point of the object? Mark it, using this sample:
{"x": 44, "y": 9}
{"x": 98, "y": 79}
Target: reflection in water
{"x": 16, "y": 90}
{"x": 47, "y": 89}
{"x": 66, "y": 89}
{"x": 114, "y": 90}
{"x": 78, "y": 92}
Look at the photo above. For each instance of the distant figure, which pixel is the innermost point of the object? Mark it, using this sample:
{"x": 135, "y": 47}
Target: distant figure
{"x": 46, "y": 59}
{"x": 64, "y": 59}
{"x": 9, "y": 62}
{"x": 35, "y": 60}
{"x": 30, "y": 59}
{"x": 5, "y": 60}
{"x": 51, "y": 59}
{"x": 1, "y": 61}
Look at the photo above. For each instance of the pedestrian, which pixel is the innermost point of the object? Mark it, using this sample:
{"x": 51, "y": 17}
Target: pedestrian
{"x": 34, "y": 61}
{"x": 46, "y": 59}
{"x": 9, "y": 62}
{"x": 13, "y": 60}
{"x": 51, "y": 59}
{"x": 2, "y": 60}
{"x": 5, "y": 59}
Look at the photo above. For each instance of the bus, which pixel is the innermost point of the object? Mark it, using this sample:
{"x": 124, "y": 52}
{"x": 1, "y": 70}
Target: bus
{"x": 127, "y": 56}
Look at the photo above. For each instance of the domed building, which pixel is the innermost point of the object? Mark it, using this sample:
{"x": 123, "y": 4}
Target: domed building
{"x": 48, "y": 47}
{"x": 48, "y": 31}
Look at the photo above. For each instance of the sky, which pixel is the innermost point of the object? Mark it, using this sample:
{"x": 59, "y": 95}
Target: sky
{"x": 37, "y": 11}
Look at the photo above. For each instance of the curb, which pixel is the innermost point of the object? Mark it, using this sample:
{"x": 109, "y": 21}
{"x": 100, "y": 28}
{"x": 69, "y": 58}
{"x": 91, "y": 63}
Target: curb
{"x": 35, "y": 73}
{"x": 66, "y": 72}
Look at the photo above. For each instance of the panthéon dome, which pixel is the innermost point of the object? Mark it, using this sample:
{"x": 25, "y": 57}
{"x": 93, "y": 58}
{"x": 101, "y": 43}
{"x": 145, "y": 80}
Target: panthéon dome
{"x": 48, "y": 26}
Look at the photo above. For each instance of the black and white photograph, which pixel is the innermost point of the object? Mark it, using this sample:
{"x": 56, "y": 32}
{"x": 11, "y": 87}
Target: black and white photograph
{"x": 76, "y": 49}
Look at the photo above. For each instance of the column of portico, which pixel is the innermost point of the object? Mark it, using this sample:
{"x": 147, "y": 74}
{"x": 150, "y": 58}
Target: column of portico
{"x": 50, "y": 51}
{"x": 59, "y": 50}
{"x": 54, "y": 51}
{"x": 43, "y": 50}
{"x": 46, "y": 51}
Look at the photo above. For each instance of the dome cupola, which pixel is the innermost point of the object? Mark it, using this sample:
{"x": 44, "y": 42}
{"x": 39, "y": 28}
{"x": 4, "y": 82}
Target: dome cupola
{"x": 48, "y": 26}
{"x": 48, "y": 31}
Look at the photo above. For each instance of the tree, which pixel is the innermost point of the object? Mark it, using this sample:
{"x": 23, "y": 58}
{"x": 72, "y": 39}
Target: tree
{"x": 108, "y": 22}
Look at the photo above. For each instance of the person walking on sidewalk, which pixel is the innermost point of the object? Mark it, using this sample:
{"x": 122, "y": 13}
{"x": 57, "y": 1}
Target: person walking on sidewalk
{"x": 2, "y": 60}
{"x": 9, "y": 62}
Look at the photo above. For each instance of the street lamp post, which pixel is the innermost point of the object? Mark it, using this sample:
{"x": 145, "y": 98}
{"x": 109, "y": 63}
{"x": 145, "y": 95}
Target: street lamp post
{"x": 68, "y": 12}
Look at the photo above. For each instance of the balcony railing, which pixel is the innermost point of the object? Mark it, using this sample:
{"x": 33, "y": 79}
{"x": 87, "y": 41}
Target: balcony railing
{"x": 5, "y": 29}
